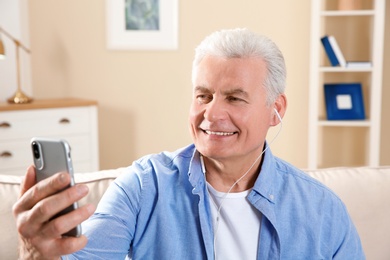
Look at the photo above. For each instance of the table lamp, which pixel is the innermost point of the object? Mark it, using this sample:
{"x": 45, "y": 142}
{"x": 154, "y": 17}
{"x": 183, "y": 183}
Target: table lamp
{"x": 19, "y": 97}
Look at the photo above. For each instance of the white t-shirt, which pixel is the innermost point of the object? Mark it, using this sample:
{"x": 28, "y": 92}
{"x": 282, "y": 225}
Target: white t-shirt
{"x": 237, "y": 233}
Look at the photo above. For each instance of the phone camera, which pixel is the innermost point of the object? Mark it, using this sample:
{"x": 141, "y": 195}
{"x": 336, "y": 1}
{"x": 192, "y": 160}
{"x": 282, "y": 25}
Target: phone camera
{"x": 36, "y": 150}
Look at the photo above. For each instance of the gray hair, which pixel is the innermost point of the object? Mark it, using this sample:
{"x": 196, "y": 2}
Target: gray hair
{"x": 242, "y": 43}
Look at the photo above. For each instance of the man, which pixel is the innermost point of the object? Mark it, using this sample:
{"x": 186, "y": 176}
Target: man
{"x": 224, "y": 197}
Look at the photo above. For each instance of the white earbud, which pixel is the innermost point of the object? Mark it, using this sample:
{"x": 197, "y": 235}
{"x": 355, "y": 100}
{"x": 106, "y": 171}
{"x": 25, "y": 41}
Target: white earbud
{"x": 278, "y": 115}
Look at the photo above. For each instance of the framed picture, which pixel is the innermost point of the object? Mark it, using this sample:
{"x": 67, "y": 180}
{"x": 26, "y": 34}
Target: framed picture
{"x": 344, "y": 101}
{"x": 142, "y": 24}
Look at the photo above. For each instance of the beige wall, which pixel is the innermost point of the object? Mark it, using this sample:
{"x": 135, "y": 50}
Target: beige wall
{"x": 385, "y": 130}
{"x": 144, "y": 96}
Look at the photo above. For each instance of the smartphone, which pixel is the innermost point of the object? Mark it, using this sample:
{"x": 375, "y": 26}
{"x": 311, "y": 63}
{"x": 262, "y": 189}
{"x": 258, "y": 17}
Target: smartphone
{"x": 50, "y": 157}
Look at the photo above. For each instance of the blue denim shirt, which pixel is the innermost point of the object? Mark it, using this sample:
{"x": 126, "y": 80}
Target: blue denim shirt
{"x": 159, "y": 209}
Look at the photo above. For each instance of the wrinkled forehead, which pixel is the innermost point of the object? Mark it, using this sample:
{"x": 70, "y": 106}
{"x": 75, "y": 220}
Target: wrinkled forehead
{"x": 230, "y": 68}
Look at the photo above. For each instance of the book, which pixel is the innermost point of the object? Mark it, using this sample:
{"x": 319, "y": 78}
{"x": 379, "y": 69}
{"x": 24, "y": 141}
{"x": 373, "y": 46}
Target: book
{"x": 336, "y": 56}
{"x": 358, "y": 64}
{"x": 337, "y": 51}
{"x": 330, "y": 51}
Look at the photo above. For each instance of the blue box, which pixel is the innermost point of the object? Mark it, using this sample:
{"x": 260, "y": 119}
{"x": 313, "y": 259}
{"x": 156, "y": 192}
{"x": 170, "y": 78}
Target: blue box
{"x": 344, "y": 101}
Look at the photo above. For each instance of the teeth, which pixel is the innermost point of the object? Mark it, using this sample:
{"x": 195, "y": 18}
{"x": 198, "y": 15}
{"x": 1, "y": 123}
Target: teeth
{"x": 218, "y": 133}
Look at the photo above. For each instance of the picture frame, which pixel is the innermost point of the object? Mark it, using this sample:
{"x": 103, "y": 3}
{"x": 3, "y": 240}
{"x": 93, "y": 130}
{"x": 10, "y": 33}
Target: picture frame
{"x": 344, "y": 101}
{"x": 161, "y": 35}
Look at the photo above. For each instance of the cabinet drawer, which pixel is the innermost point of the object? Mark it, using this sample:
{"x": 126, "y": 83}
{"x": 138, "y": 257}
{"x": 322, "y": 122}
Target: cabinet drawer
{"x": 17, "y": 154}
{"x": 44, "y": 122}
{"x": 79, "y": 167}
{"x": 80, "y": 147}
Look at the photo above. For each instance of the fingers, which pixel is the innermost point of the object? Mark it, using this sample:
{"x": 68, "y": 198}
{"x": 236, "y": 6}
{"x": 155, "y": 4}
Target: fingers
{"x": 50, "y": 249}
{"x": 32, "y": 195}
{"x": 48, "y": 207}
{"x": 33, "y": 220}
{"x": 40, "y": 234}
{"x": 63, "y": 224}
{"x": 69, "y": 245}
{"x": 47, "y": 243}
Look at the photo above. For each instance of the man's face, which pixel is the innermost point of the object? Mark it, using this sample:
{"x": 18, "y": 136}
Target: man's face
{"x": 229, "y": 117}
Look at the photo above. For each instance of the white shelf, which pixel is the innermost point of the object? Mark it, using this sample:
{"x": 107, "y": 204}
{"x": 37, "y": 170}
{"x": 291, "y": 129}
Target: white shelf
{"x": 344, "y": 69}
{"x": 348, "y": 13}
{"x": 345, "y": 123}
{"x": 325, "y": 21}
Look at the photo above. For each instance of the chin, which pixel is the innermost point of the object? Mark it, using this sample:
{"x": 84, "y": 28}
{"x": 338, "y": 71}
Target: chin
{"x": 212, "y": 152}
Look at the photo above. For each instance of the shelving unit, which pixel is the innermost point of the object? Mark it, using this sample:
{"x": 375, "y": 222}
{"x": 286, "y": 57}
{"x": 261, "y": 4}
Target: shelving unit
{"x": 360, "y": 34}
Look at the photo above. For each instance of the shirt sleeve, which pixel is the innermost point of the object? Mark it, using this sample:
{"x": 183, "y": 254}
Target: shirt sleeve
{"x": 110, "y": 230}
{"x": 350, "y": 246}
{"x": 339, "y": 233}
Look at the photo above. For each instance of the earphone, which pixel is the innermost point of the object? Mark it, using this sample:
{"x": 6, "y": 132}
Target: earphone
{"x": 237, "y": 181}
{"x": 278, "y": 115}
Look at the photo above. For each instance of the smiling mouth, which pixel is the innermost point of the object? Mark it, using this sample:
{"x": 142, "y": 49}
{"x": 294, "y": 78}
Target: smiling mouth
{"x": 219, "y": 133}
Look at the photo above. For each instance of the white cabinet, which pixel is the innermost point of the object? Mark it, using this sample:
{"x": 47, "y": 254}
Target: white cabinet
{"x": 74, "y": 120}
{"x": 360, "y": 35}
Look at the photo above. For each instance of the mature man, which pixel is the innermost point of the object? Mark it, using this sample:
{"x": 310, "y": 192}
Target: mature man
{"x": 224, "y": 197}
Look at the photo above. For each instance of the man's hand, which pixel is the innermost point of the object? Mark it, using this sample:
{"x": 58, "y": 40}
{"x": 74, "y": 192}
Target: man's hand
{"x": 40, "y": 236}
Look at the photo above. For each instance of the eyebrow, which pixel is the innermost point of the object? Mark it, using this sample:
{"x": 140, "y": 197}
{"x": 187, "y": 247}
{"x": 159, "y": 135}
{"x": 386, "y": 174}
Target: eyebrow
{"x": 229, "y": 92}
{"x": 201, "y": 89}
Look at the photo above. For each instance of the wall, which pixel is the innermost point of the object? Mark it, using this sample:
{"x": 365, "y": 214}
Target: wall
{"x": 14, "y": 20}
{"x": 144, "y": 96}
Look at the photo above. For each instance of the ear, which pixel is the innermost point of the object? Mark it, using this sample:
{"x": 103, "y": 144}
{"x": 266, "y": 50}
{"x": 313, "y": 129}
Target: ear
{"x": 280, "y": 105}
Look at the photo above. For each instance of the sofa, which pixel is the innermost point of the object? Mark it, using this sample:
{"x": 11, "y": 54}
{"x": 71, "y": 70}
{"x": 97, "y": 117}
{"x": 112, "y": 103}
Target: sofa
{"x": 364, "y": 190}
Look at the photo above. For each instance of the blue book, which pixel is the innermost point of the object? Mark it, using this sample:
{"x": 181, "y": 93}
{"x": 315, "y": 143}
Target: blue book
{"x": 329, "y": 51}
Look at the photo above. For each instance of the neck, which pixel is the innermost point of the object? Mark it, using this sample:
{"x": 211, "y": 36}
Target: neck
{"x": 233, "y": 176}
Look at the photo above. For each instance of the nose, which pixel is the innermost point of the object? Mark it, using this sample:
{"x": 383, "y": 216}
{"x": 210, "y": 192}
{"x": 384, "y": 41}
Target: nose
{"x": 215, "y": 110}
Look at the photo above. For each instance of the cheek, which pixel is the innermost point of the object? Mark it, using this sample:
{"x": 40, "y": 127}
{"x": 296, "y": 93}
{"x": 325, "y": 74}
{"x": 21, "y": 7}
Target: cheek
{"x": 194, "y": 114}
{"x": 196, "y": 108}
{"x": 194, "y": 120}
{"x": 257, "y": 123}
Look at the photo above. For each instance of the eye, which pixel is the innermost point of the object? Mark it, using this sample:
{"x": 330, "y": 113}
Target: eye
{"x": 235, "y": 99}
{"x": 204, "y": 98}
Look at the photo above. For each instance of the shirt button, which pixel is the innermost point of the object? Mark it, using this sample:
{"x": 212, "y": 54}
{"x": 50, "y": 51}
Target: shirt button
{"x": 271, "y": 197}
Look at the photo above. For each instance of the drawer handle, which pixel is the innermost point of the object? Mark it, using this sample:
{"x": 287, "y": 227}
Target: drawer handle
{"x": 5, "y": 125}
{"x": 6, "y": 154}
{"x": 64, "y": 121}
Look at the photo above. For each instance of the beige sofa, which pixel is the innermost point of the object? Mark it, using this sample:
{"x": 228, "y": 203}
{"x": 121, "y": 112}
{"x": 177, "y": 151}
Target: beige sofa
{"x": 365, "y": 191}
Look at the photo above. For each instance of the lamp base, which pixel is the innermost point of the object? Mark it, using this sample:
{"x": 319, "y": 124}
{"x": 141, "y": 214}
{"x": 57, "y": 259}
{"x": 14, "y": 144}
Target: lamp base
{"x": 19, "y": 98}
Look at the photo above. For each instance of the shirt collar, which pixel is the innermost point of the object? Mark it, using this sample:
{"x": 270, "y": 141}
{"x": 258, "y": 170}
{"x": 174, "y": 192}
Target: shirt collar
{"x": 266, "y": 183}
{"x": 195, "y": 173}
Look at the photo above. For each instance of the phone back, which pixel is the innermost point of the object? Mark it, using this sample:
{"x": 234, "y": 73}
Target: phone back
{"x": 51, "y": 156}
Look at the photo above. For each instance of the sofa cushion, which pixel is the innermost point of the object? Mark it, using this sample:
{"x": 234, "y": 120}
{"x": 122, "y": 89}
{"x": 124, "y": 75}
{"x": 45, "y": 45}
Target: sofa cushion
{"x": 9, "y": 191}
{"x": 366, "y": 193}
